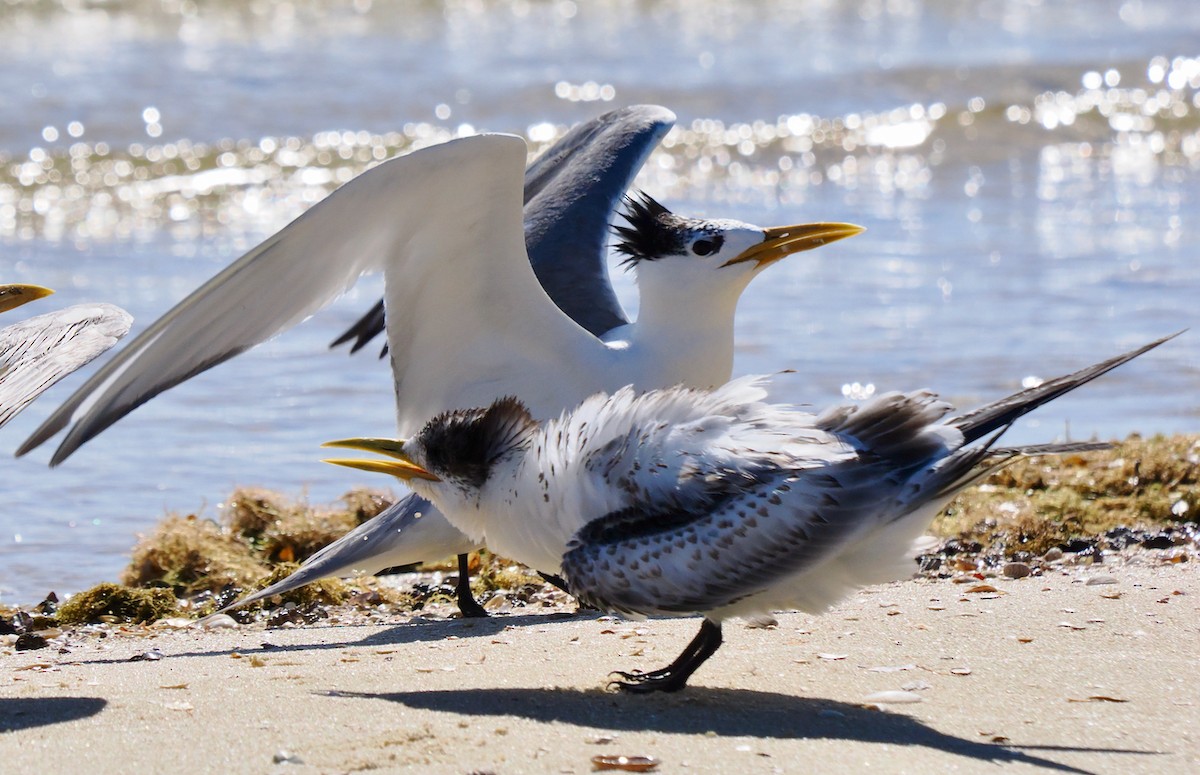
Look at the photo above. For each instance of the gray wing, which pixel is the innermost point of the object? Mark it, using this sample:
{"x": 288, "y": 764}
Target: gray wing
{"x": 38, "y": 352}
{"x": 763, "y": 521}
{"x": 571, "y": 193}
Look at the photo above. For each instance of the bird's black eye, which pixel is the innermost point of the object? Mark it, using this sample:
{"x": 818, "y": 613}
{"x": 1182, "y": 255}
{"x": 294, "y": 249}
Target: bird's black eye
{"x": 702, "y": 247}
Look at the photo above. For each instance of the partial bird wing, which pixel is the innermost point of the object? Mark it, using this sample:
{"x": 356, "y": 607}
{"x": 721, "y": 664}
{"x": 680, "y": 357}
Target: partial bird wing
{"x": 738, "y": 524}
{"x": 1000, "y": 414}
{"x": 39, "y": 351}
{"x": 571, "y": 193}
{"x": 445, "y": 224}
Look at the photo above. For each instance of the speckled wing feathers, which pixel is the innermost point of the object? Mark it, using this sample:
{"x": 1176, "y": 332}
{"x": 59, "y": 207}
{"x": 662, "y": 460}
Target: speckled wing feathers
{"x": 728, "y": 532}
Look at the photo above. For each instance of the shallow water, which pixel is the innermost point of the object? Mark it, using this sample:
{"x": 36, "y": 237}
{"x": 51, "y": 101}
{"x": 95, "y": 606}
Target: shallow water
{"x": 1029, "y": 175}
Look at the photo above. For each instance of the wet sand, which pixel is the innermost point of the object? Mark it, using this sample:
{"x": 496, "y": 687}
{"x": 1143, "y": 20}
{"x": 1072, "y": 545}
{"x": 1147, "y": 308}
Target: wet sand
{"x": 1049, "y": 673}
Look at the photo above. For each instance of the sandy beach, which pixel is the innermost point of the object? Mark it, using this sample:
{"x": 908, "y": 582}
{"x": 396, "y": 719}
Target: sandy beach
{"x": 1084, "y": 669}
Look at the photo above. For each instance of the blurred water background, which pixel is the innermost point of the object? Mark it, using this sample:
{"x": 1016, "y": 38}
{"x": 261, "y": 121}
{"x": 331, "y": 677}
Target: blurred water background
{"x": 1029, "y": 173}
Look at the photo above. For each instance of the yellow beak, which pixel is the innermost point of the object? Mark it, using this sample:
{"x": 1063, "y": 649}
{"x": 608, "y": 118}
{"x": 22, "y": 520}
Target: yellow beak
{"x": 782, "y": 241}
{"x": 402, "y": 467}
{"x": 13, "y": 296}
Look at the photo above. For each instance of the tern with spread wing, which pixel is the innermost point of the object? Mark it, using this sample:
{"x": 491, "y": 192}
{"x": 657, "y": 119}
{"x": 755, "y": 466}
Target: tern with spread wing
{"x": 571, "y": 192}
{"x": 467, "y": 320}
{"x": 41, "y": 350}
{"x": 680, "y": 502}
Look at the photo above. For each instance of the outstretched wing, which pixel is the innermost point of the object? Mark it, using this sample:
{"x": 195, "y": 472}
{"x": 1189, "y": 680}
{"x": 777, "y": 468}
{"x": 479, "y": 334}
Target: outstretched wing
{"x": 38, "y": 352}
{"x": 571, "y": 193}
{"x": 444, "y": 220}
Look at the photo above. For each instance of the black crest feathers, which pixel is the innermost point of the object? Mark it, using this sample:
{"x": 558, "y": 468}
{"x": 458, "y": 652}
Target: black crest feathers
{"x": 466, "y": 442}
{"x": 653, "y": 230}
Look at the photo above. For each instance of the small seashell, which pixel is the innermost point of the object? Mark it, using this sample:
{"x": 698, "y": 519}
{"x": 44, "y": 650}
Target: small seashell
{"x": 174, "y": 623}
{"x": 1016, "y": 570}
{"x": 284, "y": 756}
{"x": 1098, "y": 580}
{"x": 960, "y": 671}
{"x": 625, "y": 763}
{"x": 153, "y": 655}
{"x": 832, "y": 657}
{"x": 30, "y": 642}
{"x": 218, "y": 622}
{"x": 894, "y": 697}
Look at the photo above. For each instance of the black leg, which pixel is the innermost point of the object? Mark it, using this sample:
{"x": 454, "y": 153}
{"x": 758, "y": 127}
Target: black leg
{"x": 468, "y": 606}
{"x": 674, "y": 676}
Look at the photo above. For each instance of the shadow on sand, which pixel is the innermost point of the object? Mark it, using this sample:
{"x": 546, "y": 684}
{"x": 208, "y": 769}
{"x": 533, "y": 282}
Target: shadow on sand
{"x": 17, "y": 713}
{"x": 727, "y": 712}
{"x": 416, "y": 631}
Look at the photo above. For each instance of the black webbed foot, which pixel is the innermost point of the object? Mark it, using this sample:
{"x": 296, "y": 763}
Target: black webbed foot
{"x": 674, "y": 676}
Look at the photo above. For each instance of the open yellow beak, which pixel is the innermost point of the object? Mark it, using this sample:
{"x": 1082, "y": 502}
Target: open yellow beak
{"x": 782, "y": 241}
{"x": 13, "y": 296}
{"x": 401, "y": 466}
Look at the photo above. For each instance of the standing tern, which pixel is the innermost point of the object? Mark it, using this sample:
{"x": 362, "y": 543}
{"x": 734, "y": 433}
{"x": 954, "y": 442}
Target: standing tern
{"x": 679, "y": 502}
{"x": 41, "y": 350}
{"x": 467, "y": 320}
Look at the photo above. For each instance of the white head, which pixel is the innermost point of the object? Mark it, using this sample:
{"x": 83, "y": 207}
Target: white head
{"x": 693, "y": 258}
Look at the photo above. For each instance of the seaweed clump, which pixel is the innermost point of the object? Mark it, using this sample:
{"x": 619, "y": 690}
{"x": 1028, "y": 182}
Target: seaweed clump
{"x": 1041, "y": 503}
{"x": 192, "y": 555}
{"x": 258, "y": 532}
{"x": 283, "y": 531}
{"x": 319, "y": 592}
{"x": 108, "y": 601}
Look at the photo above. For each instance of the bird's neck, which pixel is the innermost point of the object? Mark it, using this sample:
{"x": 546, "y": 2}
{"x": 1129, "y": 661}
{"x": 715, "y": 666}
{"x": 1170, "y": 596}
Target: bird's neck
{"x": 537, "y": 533}
{"x": 682, "y": 336}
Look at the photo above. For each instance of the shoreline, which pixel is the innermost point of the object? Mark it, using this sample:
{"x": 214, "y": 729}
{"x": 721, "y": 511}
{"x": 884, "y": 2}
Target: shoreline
{"x": 1057, "y": 671}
